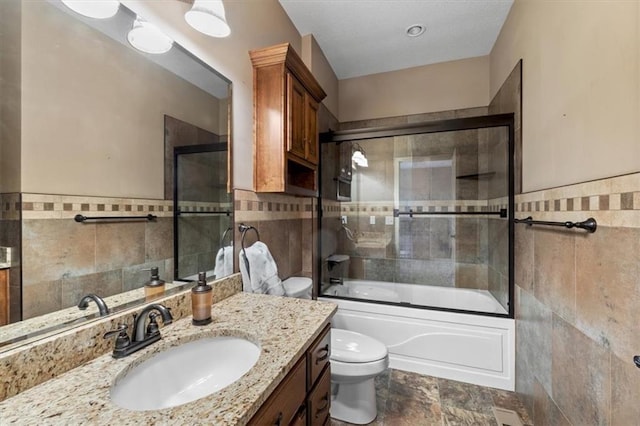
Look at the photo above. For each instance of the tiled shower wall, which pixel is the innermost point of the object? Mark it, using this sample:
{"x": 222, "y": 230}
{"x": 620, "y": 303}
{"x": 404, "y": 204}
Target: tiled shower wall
{"x": 472, "y": 251}
{"x": 201, "y": 236}
{"x": 63, "y": 260}
{"x": 577, "y": 299}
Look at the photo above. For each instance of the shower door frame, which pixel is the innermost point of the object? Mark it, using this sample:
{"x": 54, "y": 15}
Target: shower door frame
{"x": 436, "y": 126}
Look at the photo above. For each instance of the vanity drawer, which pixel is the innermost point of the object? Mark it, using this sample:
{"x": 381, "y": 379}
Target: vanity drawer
{"x": 318, "y": 356}
{"x": 286, "y": 403}
{"x": 319, "y": 400}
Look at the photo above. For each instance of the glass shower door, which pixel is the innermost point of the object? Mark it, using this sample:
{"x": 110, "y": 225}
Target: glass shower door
{"x": 427, "y": 224}
{"x": 202, "y": 204}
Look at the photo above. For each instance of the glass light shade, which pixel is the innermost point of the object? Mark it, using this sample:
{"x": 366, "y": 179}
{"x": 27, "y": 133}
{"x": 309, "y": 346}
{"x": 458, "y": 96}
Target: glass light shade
{"x": 147, "y": 38}
{"x": 208, "y": 17}
{"x": 97, "y": 9}
{"x": 359, "y": 158}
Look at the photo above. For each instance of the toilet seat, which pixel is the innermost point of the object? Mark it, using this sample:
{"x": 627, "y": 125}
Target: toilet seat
{"x": 350, "y": 347}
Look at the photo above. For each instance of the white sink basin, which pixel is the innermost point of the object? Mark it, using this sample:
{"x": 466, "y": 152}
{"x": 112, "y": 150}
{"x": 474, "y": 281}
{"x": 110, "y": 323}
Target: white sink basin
{"x": 184, "y": 373}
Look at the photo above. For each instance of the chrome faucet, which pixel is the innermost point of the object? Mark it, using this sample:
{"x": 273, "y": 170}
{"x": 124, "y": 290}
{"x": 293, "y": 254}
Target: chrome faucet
{"x": 141, "y": 337}
{"x": 102, "y": 306}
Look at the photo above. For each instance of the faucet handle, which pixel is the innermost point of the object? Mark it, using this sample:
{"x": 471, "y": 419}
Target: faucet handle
{"x": 122, "y": 328}
{"x": 152, "y": 327}
{"x": 122, "y": 341}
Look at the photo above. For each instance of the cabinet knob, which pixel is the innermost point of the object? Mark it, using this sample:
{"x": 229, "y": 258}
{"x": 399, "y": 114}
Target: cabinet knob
{"x": 279, "y": 419}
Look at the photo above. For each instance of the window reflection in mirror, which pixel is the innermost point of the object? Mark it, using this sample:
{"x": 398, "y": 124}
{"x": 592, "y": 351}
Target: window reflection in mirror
{"x": 82, "y": 117}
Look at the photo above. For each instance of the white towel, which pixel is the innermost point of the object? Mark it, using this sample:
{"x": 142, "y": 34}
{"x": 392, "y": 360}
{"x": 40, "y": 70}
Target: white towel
{"x": 224, "y": 262}
{"x": 261, "y": 276}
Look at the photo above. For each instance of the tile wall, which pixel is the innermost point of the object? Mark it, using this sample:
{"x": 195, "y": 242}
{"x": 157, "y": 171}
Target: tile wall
{"x": 62, "y": 259}
{"x": 577, "y": 299}
{"x": 478, "y": 265}
{"x": 286, "y": 224}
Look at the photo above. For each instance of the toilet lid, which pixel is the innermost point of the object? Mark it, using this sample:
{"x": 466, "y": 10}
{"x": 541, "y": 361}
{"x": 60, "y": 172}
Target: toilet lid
{"x": 349, "y": 346}
{"x": 295, "y": 285}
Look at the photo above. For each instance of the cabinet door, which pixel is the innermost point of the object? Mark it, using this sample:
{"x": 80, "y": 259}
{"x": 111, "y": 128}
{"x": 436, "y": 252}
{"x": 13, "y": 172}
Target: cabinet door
{"x": 318, "y": 356}
{"x": 295, "y": 112}
{"x": 311, "y": 128}
{"x": 319, "y": 401}
{"x": 4, "y": 296}
{"x": 286, "y": 403}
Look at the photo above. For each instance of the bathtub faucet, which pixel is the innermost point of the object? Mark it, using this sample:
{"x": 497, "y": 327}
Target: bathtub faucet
{"x": 336, "y": 281}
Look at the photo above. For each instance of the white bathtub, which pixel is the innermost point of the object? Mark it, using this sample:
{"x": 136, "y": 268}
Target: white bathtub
{"x": 470, "y": 348}
{"x": 418, "y": 294}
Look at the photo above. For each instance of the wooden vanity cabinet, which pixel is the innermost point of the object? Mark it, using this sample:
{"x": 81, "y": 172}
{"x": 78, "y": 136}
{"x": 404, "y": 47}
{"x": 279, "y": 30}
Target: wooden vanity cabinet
{"x": 304, "y": 395}
{"x": 286, "y": 100}
{"x": 285, "y": 403}
{"x": 4, "y": 296}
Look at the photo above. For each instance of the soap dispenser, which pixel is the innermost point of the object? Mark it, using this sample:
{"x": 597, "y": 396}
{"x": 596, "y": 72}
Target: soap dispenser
{"x": 201, "y": 300}
{"x": 155, "y": 286}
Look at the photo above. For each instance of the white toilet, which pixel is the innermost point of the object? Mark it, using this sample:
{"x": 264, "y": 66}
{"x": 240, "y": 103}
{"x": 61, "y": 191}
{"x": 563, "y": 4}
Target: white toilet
{"x": 299, "y": 287}
{"x": 356, "y": 360}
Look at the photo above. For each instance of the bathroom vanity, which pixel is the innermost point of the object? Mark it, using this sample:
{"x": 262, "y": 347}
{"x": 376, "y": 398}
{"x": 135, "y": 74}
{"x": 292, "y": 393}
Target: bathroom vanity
{"x": 290, "y": 380}
{"x": 304, "y": 396}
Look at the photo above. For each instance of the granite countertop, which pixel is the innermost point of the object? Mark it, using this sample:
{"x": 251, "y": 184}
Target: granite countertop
{"x": 282, "y": 327}
{"x": 51, "y": 323}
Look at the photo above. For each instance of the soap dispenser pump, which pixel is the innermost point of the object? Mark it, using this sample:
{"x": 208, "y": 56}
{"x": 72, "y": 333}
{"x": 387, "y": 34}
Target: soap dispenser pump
{"x": 201, "y": 300}
{"x": 155, "y": 286}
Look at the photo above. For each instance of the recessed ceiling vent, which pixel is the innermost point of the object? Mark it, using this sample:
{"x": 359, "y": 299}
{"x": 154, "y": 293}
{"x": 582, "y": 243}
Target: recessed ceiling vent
{"x": 415, "y": 30}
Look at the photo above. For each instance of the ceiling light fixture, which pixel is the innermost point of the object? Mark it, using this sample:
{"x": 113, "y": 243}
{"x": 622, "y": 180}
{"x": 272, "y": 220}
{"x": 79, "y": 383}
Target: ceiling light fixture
{"x": 97, "y": 9}
{"x": 359, "y": 157}
{"x": 208, "y": 17}
{"x": 415, "y": 30}
{"x": 148, "y": 38}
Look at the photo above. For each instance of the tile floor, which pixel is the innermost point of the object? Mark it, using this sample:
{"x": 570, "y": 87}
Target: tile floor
{"x": 416, "y": 400}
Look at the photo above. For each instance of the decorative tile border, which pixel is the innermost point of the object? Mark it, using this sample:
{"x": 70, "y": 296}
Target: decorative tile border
{"x": 186, "y": 207}
{"x": 251, "y": 206}
{"x": 612, "y": 202}
{"x": 386, "y": 208}
{"x": 10, "y": 206}
{"x": 50, "y": 206}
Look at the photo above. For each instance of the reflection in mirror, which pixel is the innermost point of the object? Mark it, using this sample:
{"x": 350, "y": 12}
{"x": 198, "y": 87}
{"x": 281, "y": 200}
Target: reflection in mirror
{"x": 203, "y": 220}
{"x": 82, "y": 131}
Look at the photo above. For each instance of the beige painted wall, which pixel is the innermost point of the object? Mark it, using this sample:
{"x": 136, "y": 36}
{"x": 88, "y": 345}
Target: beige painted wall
{"x": 430, "y": 88}
{"x": 581, "y": 87}
{"x": 10, "y": 96}
{"x": 254, "y": 24}
{"x": 314, "y": 58}
{"x": 93, "y": 111}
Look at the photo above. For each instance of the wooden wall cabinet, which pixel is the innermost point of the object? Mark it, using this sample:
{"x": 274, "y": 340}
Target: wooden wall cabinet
{"x": 304, "y": 395}
{"x": 286, "y": 100}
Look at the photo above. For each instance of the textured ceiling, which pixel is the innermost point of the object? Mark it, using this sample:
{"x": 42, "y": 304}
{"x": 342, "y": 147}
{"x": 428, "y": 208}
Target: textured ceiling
{"x": 361, "y": 37}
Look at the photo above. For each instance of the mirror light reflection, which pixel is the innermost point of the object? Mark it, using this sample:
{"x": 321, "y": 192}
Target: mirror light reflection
{"x": 84, "y": 131}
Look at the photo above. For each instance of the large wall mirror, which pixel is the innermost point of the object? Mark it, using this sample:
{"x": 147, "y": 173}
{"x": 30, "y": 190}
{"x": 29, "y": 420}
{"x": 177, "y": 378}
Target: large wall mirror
{"x": 91, "y": 126}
